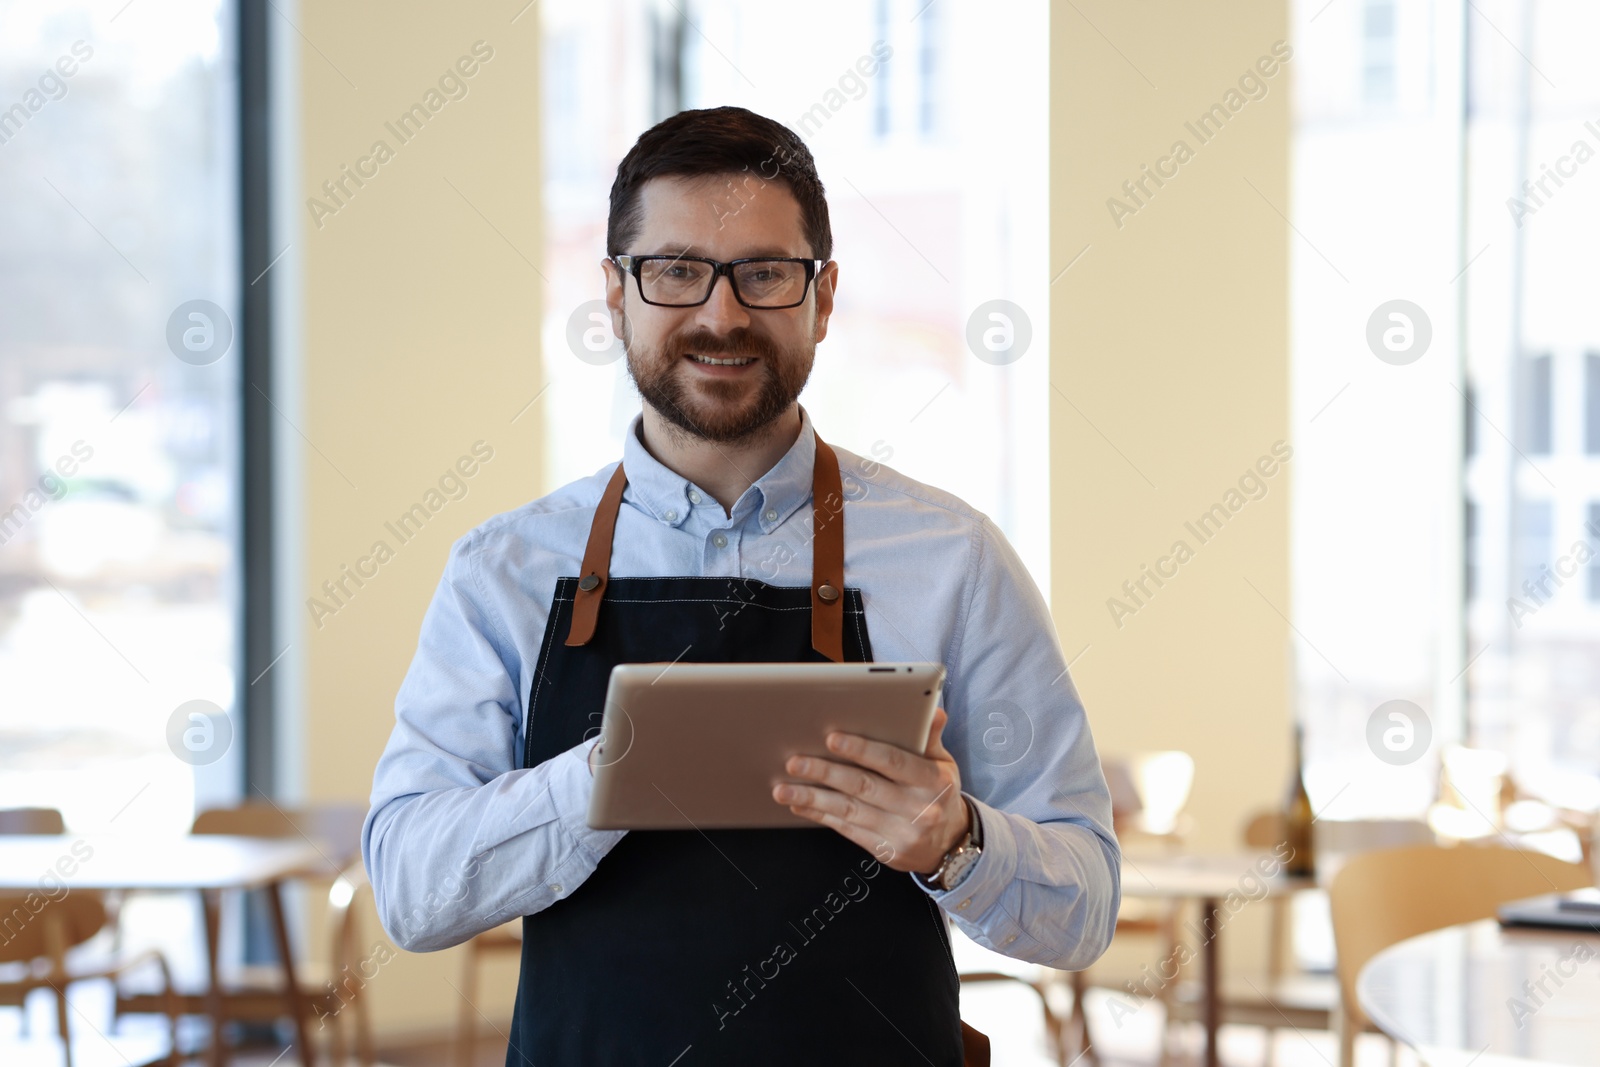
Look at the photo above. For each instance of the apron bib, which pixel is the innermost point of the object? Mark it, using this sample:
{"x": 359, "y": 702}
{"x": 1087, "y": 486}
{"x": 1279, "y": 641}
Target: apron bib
{"x": 685, "y": 947}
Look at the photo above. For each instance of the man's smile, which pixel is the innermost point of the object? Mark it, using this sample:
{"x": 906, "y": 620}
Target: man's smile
{"x": 722, "y": 365}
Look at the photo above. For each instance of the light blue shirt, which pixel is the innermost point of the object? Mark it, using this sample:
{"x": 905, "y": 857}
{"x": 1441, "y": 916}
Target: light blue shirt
{"x": 460, "y": 840}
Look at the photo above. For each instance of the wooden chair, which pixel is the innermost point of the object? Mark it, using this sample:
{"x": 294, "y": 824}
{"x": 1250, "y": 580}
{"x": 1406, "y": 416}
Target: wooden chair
{"x": 504, "y": 938}
{"x": 1149, "y": 801}
{"x": 1380, "y": 898}
{"x": 39, "y": 930}
{"x": 333, "y": 988}
{"x": 31, "y": 821}
{"x": 1276, "y": 997}
{"x": 26, "y": 821}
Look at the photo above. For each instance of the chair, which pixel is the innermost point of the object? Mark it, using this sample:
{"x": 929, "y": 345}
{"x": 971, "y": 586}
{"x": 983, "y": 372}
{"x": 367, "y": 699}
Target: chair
{"x": 504, "y": 938}
{"x": 31, "y": 821}
{"x": 254, "y": 992}
{"x": 26, "y": 821}
{"x": 1149, "y": 797}
{"x": 1381, "y": 898}
{"x": 38, "y": 932}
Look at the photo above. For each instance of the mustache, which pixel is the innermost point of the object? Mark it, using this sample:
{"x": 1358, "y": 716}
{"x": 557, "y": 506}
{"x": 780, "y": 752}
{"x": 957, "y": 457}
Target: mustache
{"x": 739, "y": 342}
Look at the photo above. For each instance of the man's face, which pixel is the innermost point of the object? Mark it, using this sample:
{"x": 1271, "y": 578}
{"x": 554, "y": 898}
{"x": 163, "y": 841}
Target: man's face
{"x": 704, "y": 217}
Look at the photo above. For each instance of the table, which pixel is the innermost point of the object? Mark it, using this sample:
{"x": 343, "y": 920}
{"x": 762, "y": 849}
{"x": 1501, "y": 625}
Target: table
{"x": 1457, "y": 995}
{"x": 1223, "y": 884}
{"x": 205, "y": 863}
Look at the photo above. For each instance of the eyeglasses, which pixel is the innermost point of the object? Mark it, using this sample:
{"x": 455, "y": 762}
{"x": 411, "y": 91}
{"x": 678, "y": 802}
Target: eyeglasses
{"x": 687, "y": 281}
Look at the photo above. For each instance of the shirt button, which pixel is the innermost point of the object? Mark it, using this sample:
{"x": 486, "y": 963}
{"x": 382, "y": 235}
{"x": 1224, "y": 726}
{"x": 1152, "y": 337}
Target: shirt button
{"x": 671, "y": 516}
{"x": 720, "y": 541}
{"x": 694, "y": 497}
{"x": 555, "y": 887}
{"x": 963, "y": 905}
{"x": 771, "y": 515}
{"x": 1010, "y": 939}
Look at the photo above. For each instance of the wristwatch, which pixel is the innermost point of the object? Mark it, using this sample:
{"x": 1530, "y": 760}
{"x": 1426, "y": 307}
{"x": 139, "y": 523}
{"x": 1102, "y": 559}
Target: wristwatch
{"x": 960, "y": 860}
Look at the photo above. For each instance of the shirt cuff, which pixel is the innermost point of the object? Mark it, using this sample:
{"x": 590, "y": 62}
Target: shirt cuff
{"x": 986, "y": 879}
{"x": 571, "y": 784}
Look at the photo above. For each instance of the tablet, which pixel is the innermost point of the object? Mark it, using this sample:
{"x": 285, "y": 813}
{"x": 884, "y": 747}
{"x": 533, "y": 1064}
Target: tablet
{"x": 700, "y": 745}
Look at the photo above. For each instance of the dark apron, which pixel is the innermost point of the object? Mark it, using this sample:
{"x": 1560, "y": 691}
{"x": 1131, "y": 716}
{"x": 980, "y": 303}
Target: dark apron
{"x": 786, "y": 946}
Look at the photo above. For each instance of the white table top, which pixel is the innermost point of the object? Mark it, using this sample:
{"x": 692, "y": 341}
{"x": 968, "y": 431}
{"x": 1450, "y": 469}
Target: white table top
{"x": 1457, "y": 996}
{"x": 1212, "y": 876}
{"x": 95, "y": 861}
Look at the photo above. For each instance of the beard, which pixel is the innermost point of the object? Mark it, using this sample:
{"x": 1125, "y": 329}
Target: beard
{"x": 723, "y": 411}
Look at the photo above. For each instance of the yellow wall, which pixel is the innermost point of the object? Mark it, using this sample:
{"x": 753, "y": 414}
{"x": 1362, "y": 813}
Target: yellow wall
{"x": 420, "y": 337}
{"x": 1169, "y": 343}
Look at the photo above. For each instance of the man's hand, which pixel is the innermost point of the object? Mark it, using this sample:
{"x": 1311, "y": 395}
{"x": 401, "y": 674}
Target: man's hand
{"x": 903, "y": 807}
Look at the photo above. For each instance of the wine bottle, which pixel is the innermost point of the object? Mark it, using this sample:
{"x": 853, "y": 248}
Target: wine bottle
{"x": 1297, "y": 815}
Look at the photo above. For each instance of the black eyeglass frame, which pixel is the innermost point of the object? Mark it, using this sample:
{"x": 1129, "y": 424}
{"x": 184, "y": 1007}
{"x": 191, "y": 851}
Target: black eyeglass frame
{"x": 633, "y": 264}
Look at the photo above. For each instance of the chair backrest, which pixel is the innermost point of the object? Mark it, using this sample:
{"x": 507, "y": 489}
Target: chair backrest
{"x": 333, "y": 827}
{"x": 31, "y": 821}
{"x": 33, "y": 925}
{"x": 1383, "y": 897}
{"x": 1149, "y": 791}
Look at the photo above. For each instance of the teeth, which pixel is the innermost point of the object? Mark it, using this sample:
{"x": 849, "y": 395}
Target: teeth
{"x": 737, "y": 361}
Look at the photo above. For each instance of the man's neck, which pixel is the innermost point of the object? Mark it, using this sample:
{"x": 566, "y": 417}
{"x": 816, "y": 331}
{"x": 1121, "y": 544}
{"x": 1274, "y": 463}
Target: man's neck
{"x": 723, "y": 470}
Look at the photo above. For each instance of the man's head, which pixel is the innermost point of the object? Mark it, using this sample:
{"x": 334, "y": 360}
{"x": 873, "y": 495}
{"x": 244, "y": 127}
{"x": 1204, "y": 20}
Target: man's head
{"x": 722, "y": 184}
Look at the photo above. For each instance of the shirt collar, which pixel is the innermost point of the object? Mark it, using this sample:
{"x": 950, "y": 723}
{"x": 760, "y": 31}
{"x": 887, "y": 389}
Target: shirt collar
{"x": 663, "y": 493}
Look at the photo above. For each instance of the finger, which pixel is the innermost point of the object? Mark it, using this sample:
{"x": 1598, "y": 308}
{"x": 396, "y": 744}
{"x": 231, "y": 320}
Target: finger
{"x": 891, "y": 761}
{"x": 874, "y": 842}
{"x": 842, "y": 806}
{"x": 845, "y": 778}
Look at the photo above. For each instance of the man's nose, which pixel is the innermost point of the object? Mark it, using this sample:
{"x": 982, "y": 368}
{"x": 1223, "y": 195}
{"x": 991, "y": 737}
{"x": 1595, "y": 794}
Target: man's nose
{"x": 722, "y": 312}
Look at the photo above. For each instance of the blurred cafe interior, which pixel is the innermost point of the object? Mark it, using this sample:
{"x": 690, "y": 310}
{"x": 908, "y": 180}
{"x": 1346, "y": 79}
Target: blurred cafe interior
{"x": 1262, "y": 332}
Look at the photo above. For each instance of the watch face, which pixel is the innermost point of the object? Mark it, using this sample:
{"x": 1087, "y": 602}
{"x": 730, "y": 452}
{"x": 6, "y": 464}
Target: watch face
{"x": 959, "y": 865}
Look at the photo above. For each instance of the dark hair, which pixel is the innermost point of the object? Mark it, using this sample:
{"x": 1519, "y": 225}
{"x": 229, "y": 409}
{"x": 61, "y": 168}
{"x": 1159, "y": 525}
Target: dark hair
{"x": 719, "y": 140}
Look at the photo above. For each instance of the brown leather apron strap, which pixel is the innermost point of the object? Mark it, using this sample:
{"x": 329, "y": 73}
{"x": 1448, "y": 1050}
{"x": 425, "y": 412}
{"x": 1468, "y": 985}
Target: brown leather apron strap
{"x": 827, "y": 557}
{"x": 596, "y": 561}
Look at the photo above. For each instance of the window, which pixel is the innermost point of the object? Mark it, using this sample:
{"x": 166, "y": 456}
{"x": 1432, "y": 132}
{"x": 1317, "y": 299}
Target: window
{"x": 1592, "y": 536}
{"x": 1469, "y": 522}
{"x": 1591, "y": 403}
{"x": 1534, "y": 419}
{"x": 119, "y": 420}
{"x": 1378, "y": 52}
{"x": 1535, "y": 543}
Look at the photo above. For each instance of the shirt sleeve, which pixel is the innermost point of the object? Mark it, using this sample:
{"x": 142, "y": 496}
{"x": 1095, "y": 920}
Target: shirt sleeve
{"x": 459, "y": 839}
{"x": 1047, "y": 886}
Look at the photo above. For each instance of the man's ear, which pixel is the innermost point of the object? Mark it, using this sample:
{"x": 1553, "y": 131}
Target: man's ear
{"x": 615, "y": 289}
{"x": 827, "y": 281}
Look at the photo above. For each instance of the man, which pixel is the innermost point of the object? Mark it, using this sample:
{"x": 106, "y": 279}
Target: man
{"x": 731, "y": 532}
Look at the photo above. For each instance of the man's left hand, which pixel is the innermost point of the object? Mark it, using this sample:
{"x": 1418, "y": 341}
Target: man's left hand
{"x": 902, "y": 806}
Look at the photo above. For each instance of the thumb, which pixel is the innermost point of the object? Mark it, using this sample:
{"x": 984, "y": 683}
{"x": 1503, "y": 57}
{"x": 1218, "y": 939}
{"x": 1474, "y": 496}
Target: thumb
{"x": 935, "y": 748}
